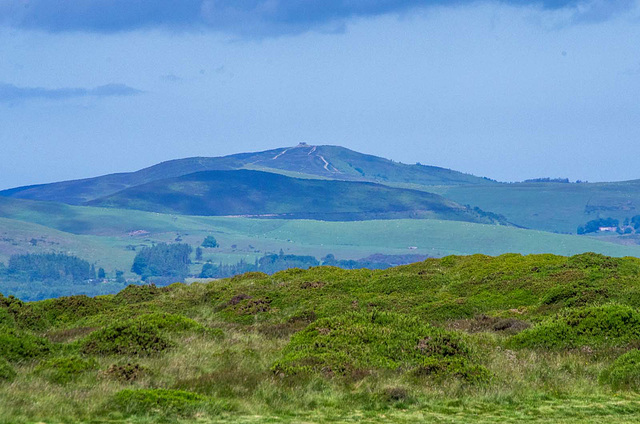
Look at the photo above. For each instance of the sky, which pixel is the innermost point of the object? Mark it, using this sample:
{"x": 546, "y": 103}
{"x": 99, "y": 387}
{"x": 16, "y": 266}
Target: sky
{"x": 509, "y": 89}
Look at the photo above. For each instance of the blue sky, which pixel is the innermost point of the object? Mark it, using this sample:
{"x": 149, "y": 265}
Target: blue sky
{"x": 509, "y": 90}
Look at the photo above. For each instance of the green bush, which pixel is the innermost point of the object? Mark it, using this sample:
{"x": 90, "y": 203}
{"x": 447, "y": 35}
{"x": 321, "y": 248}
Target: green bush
{"x": 65, "y": 369}
{"x": 457, "y": 367}
{"x": 608, "y": 325}
{"x": 134, "y": 337}
{"x": 6, "y": 319}
{"x": 624, "y": 373}
{"x": 574, "y": 295}
{"x": 358, "y": 342}
{"x": 7, "y": 373}
{"x": 16, "y": 345}
{"x": 140, "y": 293}
{"x": 162, "y": 401}
{"x": 169, "y": 322}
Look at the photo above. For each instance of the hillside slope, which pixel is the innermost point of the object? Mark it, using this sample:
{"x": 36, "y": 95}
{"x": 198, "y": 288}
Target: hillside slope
{"x": 247, "y": 238}
{"x": 331, "y": 162}
{"x": 255, "y": 193}
{"x": 552, "y": 207}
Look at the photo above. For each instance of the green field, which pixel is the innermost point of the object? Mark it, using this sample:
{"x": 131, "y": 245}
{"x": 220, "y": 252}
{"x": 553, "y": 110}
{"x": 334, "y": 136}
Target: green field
{"x": 476, "y": 339}
{"x": 101, "y": 235}
{"x": 551, "y": 207}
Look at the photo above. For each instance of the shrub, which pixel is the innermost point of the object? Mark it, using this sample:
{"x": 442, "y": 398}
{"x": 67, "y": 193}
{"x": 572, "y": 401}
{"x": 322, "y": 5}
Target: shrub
{"x": 164, "y": 401}
{"x": 608, "y": 325}
{"x": 592, "y": 260}
{"x": 210, "y": 241}
{"x": 137, "y": 294}
{"x": 17, "y": 345}
{"x": 65, "y": 369}
{"x": 356, "y": 342}
{"x": 170, "y": 322}
{"x": 7, "y": 373}
{"x": 134, "y": 337}
{"x": 125, "y": 373}
{"x": 574, "y": 295}
{"x": 457, "y": 367}
{"x": 5, "y": 318}
{"x": 624, "y": 373}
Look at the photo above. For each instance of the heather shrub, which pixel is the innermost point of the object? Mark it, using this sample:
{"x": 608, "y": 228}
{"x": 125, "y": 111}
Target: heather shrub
{"x": 356, "y": 343}
{"x": 134, "y": 337}
{"x": 624, "y": 373}
{"x": 608, "y": 325}
{"x": 7, "y": 373}
{"x": 140, "y": 293}
{"x": 452, "y": 366}
{"x": 124, "y": 373}
{"x": 16, "y": 345}
{"x": 64, "y": 369}
{"x": 169, "y": 322}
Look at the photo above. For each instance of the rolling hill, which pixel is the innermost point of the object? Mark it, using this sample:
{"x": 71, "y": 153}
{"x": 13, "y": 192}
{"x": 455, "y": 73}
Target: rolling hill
{"x": 263, "y": 194}
{"x": 546, "y": 206}
{"x": 106, "y": 235}
{"x": 554, "y": 207}
{"x": 329, "y": 162}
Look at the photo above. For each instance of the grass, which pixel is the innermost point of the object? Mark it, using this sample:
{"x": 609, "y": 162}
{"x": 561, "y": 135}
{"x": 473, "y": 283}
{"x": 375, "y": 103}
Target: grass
{"x": 103, "y": 236}
{"x": 436, "y": 341}
{"x": 551, "y": 207}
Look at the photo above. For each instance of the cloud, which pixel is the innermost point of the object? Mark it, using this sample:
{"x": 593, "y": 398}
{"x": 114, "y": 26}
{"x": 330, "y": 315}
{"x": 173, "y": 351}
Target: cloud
{"x": 171, "y": 78}
{"x": 245, "y": 17}
{"x": 13, "y": 93}
{"x": 601, "y": 10}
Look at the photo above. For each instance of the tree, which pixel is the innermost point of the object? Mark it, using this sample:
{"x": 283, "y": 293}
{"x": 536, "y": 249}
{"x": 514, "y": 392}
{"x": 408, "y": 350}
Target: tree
{"x": 210, "y": 241}
{"x": 163, "y": 260}
{"x": 209, "y": 270}
{"x": 50, "y": 267}
{"x": 198, "y": 253}
{"x": 120, "y": 276}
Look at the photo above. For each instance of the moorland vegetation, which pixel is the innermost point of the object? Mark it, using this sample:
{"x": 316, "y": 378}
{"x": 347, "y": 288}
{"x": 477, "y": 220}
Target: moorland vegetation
{"x": 537, "y": 338}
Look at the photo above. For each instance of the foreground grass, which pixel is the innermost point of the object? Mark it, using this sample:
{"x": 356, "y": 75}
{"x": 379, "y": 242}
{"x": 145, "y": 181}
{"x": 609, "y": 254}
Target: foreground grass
{"x": 328, "y": 345}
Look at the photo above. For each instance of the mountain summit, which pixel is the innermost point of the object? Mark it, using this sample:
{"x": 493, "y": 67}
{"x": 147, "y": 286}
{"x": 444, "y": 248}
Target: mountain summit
{"x": 303, "y": 160}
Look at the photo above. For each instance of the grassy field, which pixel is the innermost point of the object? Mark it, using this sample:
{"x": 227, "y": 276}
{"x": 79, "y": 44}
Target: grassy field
{"x": 551, "y": 206}
{"x": 106, "y": 236}
{"x": 536, "y": 338}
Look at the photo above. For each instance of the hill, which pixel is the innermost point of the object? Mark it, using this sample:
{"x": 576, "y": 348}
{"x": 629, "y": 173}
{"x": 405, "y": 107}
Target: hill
{"x": 539, "y": 338}
{"x": 255, "y": 193}
{"x": 554, "y": 207}
{"x": 110, "y": 238}
{"x": 331, "y": 162}
{"x": 250, "y": 236}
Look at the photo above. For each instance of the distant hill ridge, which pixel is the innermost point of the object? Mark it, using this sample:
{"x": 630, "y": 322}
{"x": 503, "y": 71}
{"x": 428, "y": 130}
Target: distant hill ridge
{"x": 263, "y": 194}
{"x": 329, "y": 162}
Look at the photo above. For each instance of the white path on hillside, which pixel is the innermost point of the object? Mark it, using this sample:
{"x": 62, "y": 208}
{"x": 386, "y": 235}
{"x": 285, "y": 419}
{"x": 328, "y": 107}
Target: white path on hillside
{"x": 280, "y": 154}
{"x": 326, "y": 164}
